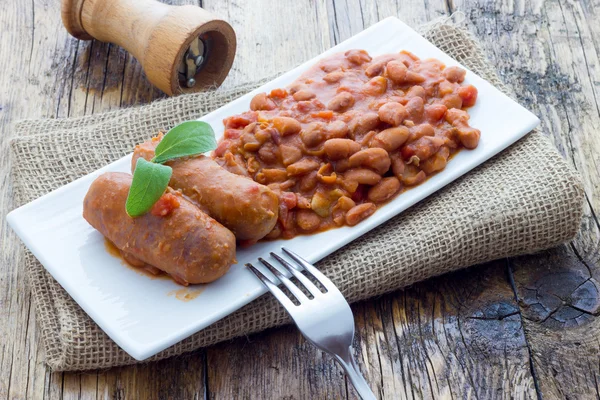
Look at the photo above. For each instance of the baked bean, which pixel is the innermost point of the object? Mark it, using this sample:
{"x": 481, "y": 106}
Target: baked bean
{"x": 414, "y": 77}
{"x": 358, "y": 57}
{"x": 469, "y": 137}
{"x": 384, "y": 190}
{"x": 307, "y": 220}
{"x": 295, "y": 87}
{"x": 289, "y": 154}
{"x": 413, "y": 176}
{"x": 348, "y": 185}
{"x": 275, "y": 232}
{"x": 336, "y": 149}
{"x": 250, "y": 143}
{"x": 374, "y": 158}
{"x": 310, "y": 106}
{"x": 416, "y": 91}
{"x": 362, "y": 176}
{"x": 422, "y": 148}
{"x": 342, "y": 165}
{"x": 303, "y": 95}
{"x": 269, "y": 153}
{"x": 457, "y": 117}
{"x": 375, "y": 86}
{"x": 432, "y": 65}
{"x": 274, "y": 175}
{"x": 263, "y": 135}
{"x": 262, "y": 102}
{"x": 455, "y": 74}
{"x": 418, "y": 131}
{"x": 308, "y": 182}
{"x": 435, "y": 112}
{"x": 391, "y": 139}
{"x": 302, "y": 202}
{"x": 344, "y": 203}
{"x": 312, "y": 134}
{"x": 363, "y": 123}
{"x": 367, "y": 138}
{"x": 415, "y": 109}
{"x": 302, "y": 167}
{"x": 359, "y": 213}
{"x": 286, "y": 125}
{"x": 392, "y": 113}
{"x": 330, "y": 65}
{"x": 333, "y": 77}
{"x": 341, "y": 102}
{"x": 396, "y": 71}
{"x": 437, "y": 162}
{"x": 338, "y": 211}
{"x": 375, "y": 69}
{"x": 397, "y": 165}
{"x": 452, "y": 101}
{"x": 337, "y": 129}
{"x": 445, "y": 88}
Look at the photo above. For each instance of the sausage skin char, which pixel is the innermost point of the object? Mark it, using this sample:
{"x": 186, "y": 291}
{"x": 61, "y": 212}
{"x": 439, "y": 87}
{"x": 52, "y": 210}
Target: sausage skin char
{"x": 247, "y": 208}
{"x": 187, "y": 244}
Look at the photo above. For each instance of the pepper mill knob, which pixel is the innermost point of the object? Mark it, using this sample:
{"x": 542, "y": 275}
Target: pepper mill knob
{"x": 182, "y": 49}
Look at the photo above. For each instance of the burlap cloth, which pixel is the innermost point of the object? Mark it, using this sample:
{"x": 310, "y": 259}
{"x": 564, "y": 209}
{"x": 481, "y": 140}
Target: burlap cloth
{"x": 523, "y": 200}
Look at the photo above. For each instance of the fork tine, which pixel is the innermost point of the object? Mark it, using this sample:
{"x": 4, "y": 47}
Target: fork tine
{"x": 279, "y": 295}
{"x": 289, "y": 284}
{"x": 311, "y": 287}
{"x": 323, "y": 280}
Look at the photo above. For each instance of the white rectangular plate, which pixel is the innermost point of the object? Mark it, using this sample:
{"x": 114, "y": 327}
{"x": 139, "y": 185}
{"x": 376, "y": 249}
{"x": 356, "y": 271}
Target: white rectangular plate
{"x": 137, "y": 312}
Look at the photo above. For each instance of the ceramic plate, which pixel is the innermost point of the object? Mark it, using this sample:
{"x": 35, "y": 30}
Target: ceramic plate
{"x": 145, "y": 316}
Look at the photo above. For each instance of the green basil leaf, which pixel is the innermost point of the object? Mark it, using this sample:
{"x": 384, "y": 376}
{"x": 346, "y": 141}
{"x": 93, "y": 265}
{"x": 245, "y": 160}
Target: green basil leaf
{"x": 186, "y": 139}
{"x": 149, "y": 183}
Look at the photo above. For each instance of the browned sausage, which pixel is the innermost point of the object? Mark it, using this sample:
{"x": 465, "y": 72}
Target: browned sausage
{"x": 187, "y": 244}
{"x": 246, "y": 207}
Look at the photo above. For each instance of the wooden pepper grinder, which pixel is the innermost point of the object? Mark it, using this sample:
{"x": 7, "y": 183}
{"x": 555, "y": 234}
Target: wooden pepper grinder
{"x": 182, "y": 49}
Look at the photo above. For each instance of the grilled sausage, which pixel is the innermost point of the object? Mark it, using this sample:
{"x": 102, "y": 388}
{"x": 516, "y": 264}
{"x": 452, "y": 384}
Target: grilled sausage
{"x": 186, "y": 243}
{"x": 247, "y": 208}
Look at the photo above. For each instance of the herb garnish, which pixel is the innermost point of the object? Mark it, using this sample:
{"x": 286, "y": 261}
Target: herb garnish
{"x": 151, "y": 178}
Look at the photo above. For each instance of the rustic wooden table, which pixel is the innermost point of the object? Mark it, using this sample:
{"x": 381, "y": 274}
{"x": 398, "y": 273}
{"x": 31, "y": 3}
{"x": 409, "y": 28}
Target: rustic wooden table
{"x": 525, "y": 327}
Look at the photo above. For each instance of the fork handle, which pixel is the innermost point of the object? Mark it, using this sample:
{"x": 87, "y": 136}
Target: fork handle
{"x": 358, "y": 381}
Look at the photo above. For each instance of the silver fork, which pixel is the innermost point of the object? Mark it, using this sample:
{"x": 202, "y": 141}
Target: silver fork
{"x": 326, "y": 320}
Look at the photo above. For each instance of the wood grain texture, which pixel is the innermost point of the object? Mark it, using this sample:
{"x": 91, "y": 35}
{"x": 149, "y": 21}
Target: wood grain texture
{"x": 451, "y": 337}
{"x": 557, "y": 45}
{"x": 463, "y": 335}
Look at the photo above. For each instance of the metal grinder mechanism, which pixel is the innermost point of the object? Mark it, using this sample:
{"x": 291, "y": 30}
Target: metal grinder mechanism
{"x": 182, "y": 49}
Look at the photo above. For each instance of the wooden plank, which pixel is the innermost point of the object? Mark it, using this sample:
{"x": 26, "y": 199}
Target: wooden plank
{"x": 29, "y": 82}
{"x": 75, "y": 79}
{"x": 456, "y": 336}
{"x": 549, "y": 50}
{"x": 273, "y": 365}
{"x": 558, "y": 295}
{"x": 272, "y": 36}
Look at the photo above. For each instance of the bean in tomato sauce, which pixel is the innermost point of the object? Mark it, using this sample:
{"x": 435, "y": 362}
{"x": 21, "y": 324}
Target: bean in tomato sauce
{"x": 349, "y": 135}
